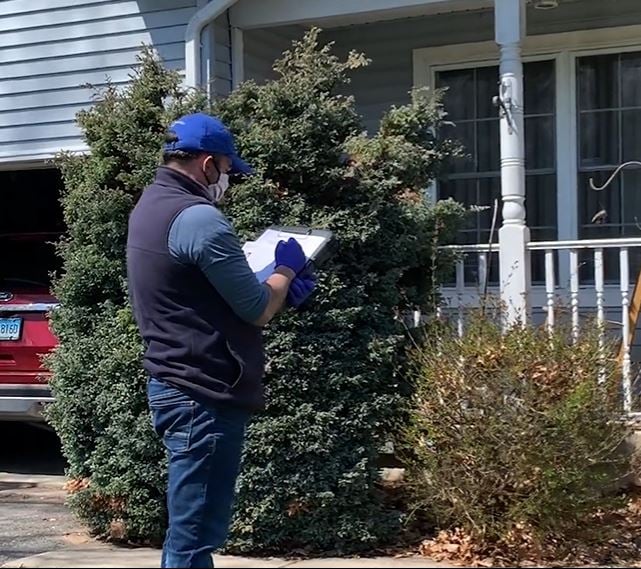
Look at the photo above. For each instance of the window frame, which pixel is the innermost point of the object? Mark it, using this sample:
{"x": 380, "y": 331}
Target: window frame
{"x": 564, "y": 48}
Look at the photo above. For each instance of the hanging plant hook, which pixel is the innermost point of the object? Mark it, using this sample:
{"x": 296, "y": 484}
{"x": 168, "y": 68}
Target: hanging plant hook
{"x": 613, "y": 175}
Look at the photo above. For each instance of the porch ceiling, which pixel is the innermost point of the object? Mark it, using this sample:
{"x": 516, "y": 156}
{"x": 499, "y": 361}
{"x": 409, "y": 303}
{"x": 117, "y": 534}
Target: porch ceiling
{"x": 248, "y": 14}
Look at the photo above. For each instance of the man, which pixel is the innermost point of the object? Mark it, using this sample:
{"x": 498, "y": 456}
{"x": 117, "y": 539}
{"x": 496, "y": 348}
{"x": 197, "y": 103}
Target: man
{"x": 200, "y": 310}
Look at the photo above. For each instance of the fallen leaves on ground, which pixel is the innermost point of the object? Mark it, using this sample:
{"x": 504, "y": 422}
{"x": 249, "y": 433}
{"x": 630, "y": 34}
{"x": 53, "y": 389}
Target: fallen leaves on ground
{"x": 606, "y": 540}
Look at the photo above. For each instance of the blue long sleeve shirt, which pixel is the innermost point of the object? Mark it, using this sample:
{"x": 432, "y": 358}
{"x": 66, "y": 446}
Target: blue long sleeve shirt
{"x": 201, "y": 235}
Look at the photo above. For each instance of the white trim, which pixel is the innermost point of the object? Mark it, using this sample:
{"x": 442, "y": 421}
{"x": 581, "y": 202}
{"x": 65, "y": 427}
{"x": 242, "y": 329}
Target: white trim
{"x": 425, "y": 59}
{"x": 248, "y": 14}
{"x": 26, "y": 165}
{"x": 38, "y": 160}
{"x": 207, "y": 14}
{"x": 237, "y": 56}
{"x": 207, "y": 65}
{"x": 584, "y": 41}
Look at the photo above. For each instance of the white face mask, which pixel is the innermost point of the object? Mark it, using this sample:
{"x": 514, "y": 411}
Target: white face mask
{"x": 217, "y": 190}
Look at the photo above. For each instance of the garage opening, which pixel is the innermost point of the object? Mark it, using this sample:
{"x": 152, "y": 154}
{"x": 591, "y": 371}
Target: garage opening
{"x": 31, "y": 221}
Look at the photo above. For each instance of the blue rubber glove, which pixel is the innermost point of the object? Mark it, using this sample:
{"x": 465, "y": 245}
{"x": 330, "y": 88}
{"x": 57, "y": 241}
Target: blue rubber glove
{"x": 300, "y": 290}
{"x": 290, "y": 254}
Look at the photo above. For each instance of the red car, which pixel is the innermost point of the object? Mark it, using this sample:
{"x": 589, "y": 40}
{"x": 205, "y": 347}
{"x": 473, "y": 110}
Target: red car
{"x": 32, "y": 221}
{"x": 25, "y": 336}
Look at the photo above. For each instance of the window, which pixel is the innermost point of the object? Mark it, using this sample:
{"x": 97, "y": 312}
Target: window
{"x": 582, "y": 92}
{"x": 609, "y": 123}
{"x": 475, "y": 179}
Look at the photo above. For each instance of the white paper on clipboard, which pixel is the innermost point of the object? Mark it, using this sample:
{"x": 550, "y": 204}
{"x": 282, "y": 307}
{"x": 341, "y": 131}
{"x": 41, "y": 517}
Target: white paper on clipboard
{"x": 260, "y": 253}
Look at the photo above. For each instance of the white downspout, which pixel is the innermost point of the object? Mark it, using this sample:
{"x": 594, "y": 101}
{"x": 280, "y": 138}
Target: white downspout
{"x": 514, "y": 235}
{"x": 199, "y": 20}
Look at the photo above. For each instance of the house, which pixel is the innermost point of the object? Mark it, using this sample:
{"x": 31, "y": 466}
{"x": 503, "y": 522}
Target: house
{"x": 545, "y": 94}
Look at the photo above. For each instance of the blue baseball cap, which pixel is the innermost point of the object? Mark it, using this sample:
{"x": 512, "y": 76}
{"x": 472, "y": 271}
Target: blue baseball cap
{"x": 203, "y": 133}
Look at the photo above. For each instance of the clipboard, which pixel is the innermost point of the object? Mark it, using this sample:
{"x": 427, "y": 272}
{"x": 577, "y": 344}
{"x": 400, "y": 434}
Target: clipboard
{"x": 316, "y": 243}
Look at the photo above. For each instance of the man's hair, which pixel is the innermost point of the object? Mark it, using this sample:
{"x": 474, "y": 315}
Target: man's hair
{"x": 177, "y": 155}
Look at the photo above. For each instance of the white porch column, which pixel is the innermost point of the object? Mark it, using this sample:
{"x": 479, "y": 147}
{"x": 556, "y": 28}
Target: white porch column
{"x": 514, "y": 235}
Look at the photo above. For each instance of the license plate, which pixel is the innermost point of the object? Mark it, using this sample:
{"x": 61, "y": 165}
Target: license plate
{"x": 10, "y": 329}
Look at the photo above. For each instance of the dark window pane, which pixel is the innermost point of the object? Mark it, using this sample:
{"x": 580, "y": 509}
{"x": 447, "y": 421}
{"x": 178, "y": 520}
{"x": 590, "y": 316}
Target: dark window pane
{"x": 631, "y": 200}
{"x": 539, "y": 87}
{"x": 489, "y": 146}
{"x": 543, "y": 234}
{"x": 605, "y": 205}
{"x": 631, "y": 135}
{"x": 540, "y": 143}
{"x": 467, "y": 237}
{"x": 489, "y": 191}
{"x": 610, "y": 261}
{"x": 540, "y": 201}
{"x": 464, "y": 192}
{"x": 610, "y": 256}
{"x": 487, "y": 79}
{"x": 598, "y": 82}
{"x": 599, "y": 134}
{"x": 464, "y": 134}
{"x": 459, "y": 97}
{"x": 631, "y": 79}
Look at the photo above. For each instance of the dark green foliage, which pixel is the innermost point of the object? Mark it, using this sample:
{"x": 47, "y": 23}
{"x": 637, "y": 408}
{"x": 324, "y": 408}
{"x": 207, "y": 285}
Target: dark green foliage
{"x": 334, "y": 384}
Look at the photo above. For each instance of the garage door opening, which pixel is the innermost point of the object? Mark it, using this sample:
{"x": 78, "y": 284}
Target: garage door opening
{"x": 31, "y": 222}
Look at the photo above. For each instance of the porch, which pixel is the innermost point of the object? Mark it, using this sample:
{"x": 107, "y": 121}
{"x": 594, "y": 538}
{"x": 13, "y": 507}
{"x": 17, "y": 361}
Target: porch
{"x": 544, "y": 95}
{"x": 590, "y": 282}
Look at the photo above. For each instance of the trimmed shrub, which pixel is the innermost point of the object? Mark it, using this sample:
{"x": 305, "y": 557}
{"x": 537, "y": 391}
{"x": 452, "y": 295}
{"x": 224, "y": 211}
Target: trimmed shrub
{"x": 516, "y": 434}
{"x": 335, "y": 384}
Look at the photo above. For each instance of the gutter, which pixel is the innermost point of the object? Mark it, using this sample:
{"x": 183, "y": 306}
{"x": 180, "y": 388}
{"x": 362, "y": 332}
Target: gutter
{"x": 199, "y": 20}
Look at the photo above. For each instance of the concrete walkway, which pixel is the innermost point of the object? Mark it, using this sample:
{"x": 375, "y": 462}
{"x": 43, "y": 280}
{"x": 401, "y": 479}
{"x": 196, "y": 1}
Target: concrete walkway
{"x": 103, "y": 556}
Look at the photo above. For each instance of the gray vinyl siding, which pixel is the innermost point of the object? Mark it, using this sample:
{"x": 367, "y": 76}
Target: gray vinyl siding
{"x": 389, "y": 78}
{"x": 264, "y": 46}
{"x": 51, "y": 50}
{"x": 222, "y": 72}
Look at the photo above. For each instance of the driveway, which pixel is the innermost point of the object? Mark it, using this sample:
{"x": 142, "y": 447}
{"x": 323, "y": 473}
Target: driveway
{"x": 33, "y": 517}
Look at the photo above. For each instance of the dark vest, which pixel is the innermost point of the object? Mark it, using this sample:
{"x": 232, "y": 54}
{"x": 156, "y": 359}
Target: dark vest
{"x": 193, "y": 339}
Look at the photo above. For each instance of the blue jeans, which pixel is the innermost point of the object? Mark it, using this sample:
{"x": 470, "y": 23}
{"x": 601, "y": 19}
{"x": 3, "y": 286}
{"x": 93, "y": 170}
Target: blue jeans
{"x": 204, "y": 444}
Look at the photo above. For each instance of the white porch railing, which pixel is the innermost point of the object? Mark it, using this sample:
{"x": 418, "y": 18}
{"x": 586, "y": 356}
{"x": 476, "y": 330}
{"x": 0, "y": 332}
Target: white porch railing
{"x": 573, "y": 273}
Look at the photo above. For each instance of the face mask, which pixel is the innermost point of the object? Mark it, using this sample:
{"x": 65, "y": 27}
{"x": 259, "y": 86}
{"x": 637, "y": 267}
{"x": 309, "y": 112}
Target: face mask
{"x": 216, "y": 191}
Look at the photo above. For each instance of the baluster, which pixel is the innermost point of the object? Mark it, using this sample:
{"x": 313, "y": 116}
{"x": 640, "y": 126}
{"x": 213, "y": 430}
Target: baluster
{"x": 574, "y": 292}
{"x": 460, "y": 289}
{"x": 549, "y": 287}
{"x": 624, "y": 276}
{"x": 599, "y": 285}
{"x": 599, "y": 289}
{"x": 482, "y": 271}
